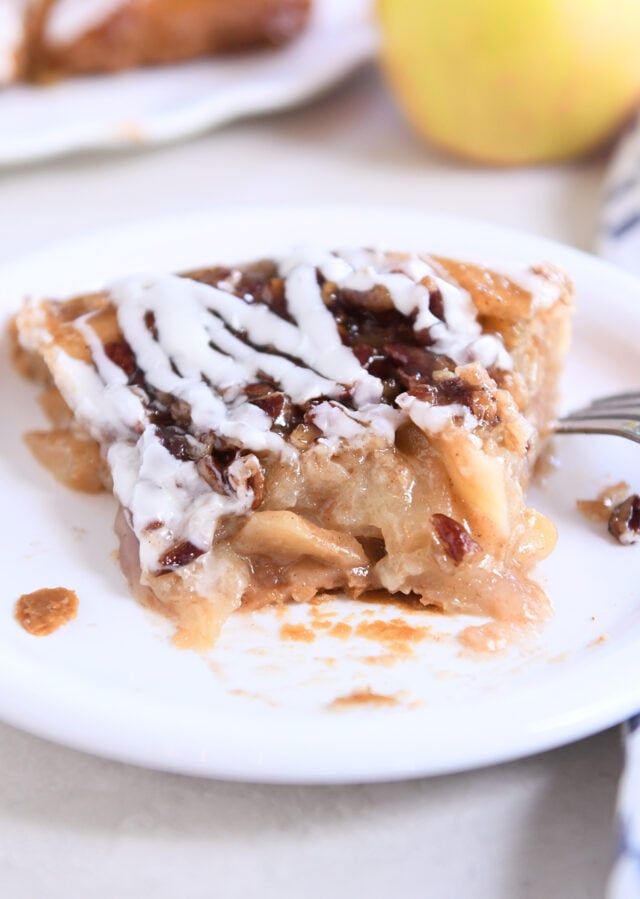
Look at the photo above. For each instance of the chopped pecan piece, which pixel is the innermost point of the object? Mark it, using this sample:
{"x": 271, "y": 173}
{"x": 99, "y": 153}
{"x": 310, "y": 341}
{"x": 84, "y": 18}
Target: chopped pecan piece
{"x": 150, "y": 324}
{"x": 378, "y": 299}
{"x": 624, "y": 521}
{"x": 456, "y": 540}
{"x": 414, "y": 364}
{"x": 123, "y": 356}
{"x": 436, "y": 303}
{"x": 176, "y": 442}
{"x": 178, "y": 555}
{"x": 212, "y": 470}
{"x": 211, "y": 276}
{"x": 275, "y": 403}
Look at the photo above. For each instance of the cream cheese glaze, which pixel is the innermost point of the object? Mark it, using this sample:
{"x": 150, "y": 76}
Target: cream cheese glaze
{"x": 203, "y": 345}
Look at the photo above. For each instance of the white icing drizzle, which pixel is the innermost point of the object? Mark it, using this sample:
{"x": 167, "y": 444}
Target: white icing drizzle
{"x": 459, "y": 337}
{"x": 544, "y": 291}
{"x": 69, "y": 20}
{"x": 339, "y": 423}
{"x": 203, "y": 345}
{"x": 434, "y": 419}
{"x": 319, "y": 343}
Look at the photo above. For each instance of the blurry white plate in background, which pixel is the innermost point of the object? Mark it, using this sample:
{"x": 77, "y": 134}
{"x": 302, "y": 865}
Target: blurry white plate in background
{"x": 148, "y": 106}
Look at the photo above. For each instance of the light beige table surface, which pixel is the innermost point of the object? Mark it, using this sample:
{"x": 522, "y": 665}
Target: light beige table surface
{"x": 73, "y": 826}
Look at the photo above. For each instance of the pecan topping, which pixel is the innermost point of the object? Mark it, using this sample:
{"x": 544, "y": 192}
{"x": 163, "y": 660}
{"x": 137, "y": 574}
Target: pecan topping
{"x": 123, "y": 356}
{"x": 150, "y": 323}
{"x": 180, "y": 412}
{"x": 176, "y": 442}
{"x": 178, "y": 555}
{"x": 452, "y": 390}
{"x": 414, "y": 364}
{"x": 624, "y": 521}
{"x": 378, "y": 299}
{"x": 275, "y": 403}
{"x": 278, "y": 406}
{"x": 212, "y": 473}
{"x": 256, "y": 483}
{"x": 211, "y": 276}
{"x": 212, "y": 466}
{"x": 456, "y": 540}
{"x": 436, "y": 303}
{"x": 261, "y": 283}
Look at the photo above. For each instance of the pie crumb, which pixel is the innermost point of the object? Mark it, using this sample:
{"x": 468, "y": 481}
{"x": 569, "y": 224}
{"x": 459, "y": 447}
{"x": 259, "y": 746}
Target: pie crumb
{"x": 362, "y": 697}
{"x": 42, "y": 612}
{"x": 299, "y": 633}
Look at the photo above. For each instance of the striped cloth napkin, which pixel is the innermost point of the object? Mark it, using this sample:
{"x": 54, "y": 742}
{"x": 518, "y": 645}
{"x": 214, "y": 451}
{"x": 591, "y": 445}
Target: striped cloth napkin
{"x": 619, "y": 242}
{"x": 619, "y": 239}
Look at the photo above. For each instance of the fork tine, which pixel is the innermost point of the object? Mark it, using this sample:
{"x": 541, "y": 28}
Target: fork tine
{"x": 615, "y": 426}
{"x": 618, "y": 405}
{"x": 617, "y": 414}
{"x": 630, "y": 396}
{"x": 595, "y": 414}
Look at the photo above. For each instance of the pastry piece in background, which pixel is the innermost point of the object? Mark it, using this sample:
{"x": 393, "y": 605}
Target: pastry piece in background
{"x": 327, "y": 421}
{"x": 42, "y": 39}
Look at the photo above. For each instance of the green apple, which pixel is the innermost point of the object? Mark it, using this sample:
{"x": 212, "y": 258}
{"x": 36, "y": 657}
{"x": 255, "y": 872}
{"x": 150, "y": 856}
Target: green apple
{"x": 514, "y": 81}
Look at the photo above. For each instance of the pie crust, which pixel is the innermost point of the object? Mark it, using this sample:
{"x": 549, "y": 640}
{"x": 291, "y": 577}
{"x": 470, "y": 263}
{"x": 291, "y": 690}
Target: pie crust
{"x": 323, "y": 422}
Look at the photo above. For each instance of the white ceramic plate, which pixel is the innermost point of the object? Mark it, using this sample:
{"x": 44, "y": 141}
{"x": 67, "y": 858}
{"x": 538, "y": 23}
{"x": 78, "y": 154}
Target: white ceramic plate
{"x": 258, "y": 706}
{"x": 170, "y": 102}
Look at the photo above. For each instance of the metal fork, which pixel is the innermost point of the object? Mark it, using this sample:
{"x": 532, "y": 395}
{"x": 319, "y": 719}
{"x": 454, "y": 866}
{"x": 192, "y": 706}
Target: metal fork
{"x": 618, "y": 414}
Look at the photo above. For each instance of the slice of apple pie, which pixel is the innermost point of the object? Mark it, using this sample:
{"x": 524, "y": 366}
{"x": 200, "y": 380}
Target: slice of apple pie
{"x": 45, "y": 39}
{"x": 324, "y": 422}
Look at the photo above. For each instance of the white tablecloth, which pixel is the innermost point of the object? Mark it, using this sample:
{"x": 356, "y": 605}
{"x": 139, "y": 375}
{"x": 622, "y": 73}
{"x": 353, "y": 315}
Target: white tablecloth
{"x": 72, "y": 826}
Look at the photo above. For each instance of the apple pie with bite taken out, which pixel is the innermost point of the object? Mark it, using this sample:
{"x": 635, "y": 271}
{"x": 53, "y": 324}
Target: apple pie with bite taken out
{"x": 324, "y": 422}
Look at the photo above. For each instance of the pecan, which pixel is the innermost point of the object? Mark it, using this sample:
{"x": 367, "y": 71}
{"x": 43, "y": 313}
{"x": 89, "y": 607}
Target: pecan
{"x": 255, "y": 281}
{"x": 176, "y": 442}
{"x": 624, "y": 521}
{"x": 377, "y": 299}
{"x": 211, "y": 276}
{"x": 258, "y": 390}
{"x": 180, "y": 412}
{"x": 455, "y": 390}
{"x": 436, "y": 303}
{"x": 484, "y": 406}
{"x": 246, "y": 474}
{"x": 456, "y": 540}
{"x": 365, "y": 354}
{"x": 178, "y": 555}
{"x": 150, "y": 323}
{"x": 159, "y": 415}
{"x": 450, "y": 390}
{"x": 212, "y": 474}
{"x": 256, "y": 483}
{"x": 154, "y": 525}
{"x": 414, "y": 364}
{"x": 123, "y": 356}
{"x": 275, "y": 403}
{"x": 329, "y": 293}
{"x": 428, "y": 393}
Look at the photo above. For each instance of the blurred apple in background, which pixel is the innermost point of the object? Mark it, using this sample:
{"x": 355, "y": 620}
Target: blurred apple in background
{"x": 514, "y": 81}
